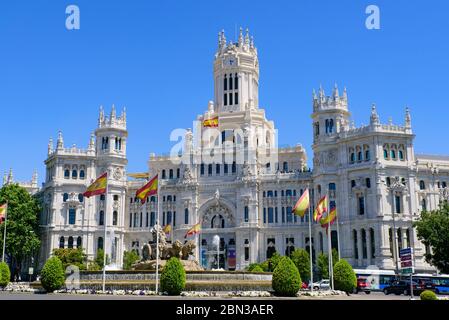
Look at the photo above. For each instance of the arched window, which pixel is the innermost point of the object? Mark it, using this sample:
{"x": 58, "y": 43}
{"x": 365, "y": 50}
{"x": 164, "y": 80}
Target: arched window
{"x": 364, "y": 245}
{"x": 74, "y": 174}
{"x": 359, "y": 156}
{"x": 79, "y": 242}
{"x": 388, "y": 180}
{"x": 152, "y": 219}
{"x": 230, "y": 82}
{"x": 332, "y": 186}
{"x": 393, "y": 154}
{"x": 65, "y": 197}
{"x": 80, "y": 197}
{"x": 234, "y": 167}
{"x": 331, "y": 125}
{"x": 443, "y": 184}
{"x": 170, "y": 174}
{"x": 373, "y": 243}
{"x": 285, "y": 166}
{"x": 82, "y": 174}
{"x": 178, "y": 173}
{"x": 356, "y": 248}
{"x": 327, "y": 125}
{"x": 367, "y": 155}
{"x": 101, "y": 218}
{"x": 100, "y": 243}
{"x": 225, "y": 83}
{"x": 423, "y": 205}
{"x": 422, "y": 185}
{"x": 202, "y": 169}
{"x": 66, "y": 173}
{"x": 70, "y": 243}
{"x": 236, "y": 82}
{"x": 225, "y": 99}
{"x": 385, "y": 154}
{"x": 72, "y": 215}
{"x": 61, "y": 243}
{"x": 114, "y": 218}
{"x": 186, "y": 216}
{"x": 401, "y": 155}
{"x": 209, "y": 169}
{"x": 163, "y": 174}
{"x": 352, "y": 157}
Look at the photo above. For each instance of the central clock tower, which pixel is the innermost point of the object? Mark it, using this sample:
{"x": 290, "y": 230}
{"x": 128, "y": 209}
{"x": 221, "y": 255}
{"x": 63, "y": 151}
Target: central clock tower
{"x": 236, "y": 74}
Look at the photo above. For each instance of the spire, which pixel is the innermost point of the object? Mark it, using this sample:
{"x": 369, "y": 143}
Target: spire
{"x": 252, "y": 42}
{"x": 408, "y": 118}
{"x": 374, "y": 118}
{"x": 321, "y": 92}
{"x": 101, "y": 116}
{"x": 50, "y": 146}
{"x": 241, "y": 37}
{"x": 34, "y": 179}
{"x": 60, "y": 142}
{"x": 123, "y": 116}
{"x": 335, "y": 93}
{"x": 113, "y": 113}
{"x": 223, "y": 39}
{"x": 345, "y": 94}
{"x": 92, "y": 142}
{"x": 314, "y": 95}
{"x": 10, "y": 177}
{"x": 247, "y": 38}
{"x": 210, "y": 106}
{"x": 5, "y": 178}
{"x": 219, "y": 41}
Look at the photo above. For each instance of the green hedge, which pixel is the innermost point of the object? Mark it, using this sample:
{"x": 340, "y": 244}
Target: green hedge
{"x": 5, "y": 274}
{"x": 428, "y": 295}
{"x": 344, "y": 277}
{"x": 173, "y": 277}
{"x": 286, "y": 280}
{"x": 52, "y": 275}
{"x": 257, "y": 269}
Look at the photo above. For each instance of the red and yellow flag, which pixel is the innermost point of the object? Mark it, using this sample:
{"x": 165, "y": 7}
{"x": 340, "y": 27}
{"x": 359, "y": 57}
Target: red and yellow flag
{"x": 211, "y": 123}
{"x": 147, "y": 190}
{"x": 302, "y": 205}
{"x": 194, "y": 230}
{"x": 167, "y": 229}
{"x": 329, "y": 219}
{"x": 3, "y": 208}
{"x": 98, "y": 186}
{"x": 320, "y": 209}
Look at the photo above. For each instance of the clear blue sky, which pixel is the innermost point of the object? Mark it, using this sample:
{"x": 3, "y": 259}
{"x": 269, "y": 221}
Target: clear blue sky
{"x": 155, "y": 58}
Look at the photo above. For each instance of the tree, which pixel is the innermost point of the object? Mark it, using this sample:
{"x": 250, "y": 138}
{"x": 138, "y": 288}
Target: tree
{"x": 286, "y": 280}
{"x": 99, "y": 260}
{"x": 301, "y": 259}
{"x": 432, "y": 229}
{"x": 173, "y": 277}
{"x": 22, "y": 240}
{"x": 129, "y": 258}
{"x": 5, "y": 274}
{"x": 274, "y": 260}
{"x": 73, "y": 256}
{"x": 344, "y": 277}
{"x": 52, "y": 275}
{"x": 323, "y": 263}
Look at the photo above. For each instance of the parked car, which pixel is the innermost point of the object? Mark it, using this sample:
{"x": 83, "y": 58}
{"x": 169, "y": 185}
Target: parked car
{"x": 321, "y": 285}
{"x": 403, "y": 287}
{"x": 363, "y": 286}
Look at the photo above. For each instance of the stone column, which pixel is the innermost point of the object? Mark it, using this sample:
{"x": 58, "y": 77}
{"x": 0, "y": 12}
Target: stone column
{"x": 359, "y": 247}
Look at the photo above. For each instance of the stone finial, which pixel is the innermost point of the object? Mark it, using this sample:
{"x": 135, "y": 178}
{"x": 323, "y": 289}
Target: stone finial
{"x": 123, "y": 116}
{"x": 113, "y": 113}
{"x": 10, "y": 178}
{"x": 34, "y": 179}
{"x": 247, "y": 41}
{"x": 210, "y": 106}
{"x": 219, "y": 41}
{"x": 345, "y": 94}
{"x": 60, "y": 142}
{"x": 92, "y": 142}
{"x": 252, "y": 42}
{"x": 335, "y": 93}
{"x": 101, "y": 116}
{"x": 314, "y": 96}
{"x": 223, "y": 38}
{"x": 374, "y": 118}
{"x": 5, "y": 178}
{"x": 390, "y": 121}
{"x": 50, "y": 146}
{"x": 408, "y": 118}
{"x": 241, "y": 37}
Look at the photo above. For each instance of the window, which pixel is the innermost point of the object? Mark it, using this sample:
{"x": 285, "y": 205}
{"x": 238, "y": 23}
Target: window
{"x": 101, "y": 218}
{"x": 225, "y": 83}
{"x": 285, "y": 166}
{"x": 226, "y": 168}
{"x": 141, "y": 220}
{"x": 114, "y": 218}
{"x": 80, "y": 197}
{"x": 332, "y": 186}
{"x": 422, "y": 185}
{"x": 65, "y": 197}
{"x": 115, "y": 197}
{"x": 368, "y": 182}
{"x": 130, "y": 220}
{"x": 385, "y": 154}
{"x": 361, "y": 200}
{"x": 82, "y": 174}
{"x": 444, "y": 184}
{"x": 66, "y": 173}
{"x": 234, "y": 167}
{"x": 152, "y": 219}
{"x": 283, "y": 214}
{"x": 423, "y": 205}
{"x": 317, "y": 129}
{"x": 61, "y": 243}
{"x": 178, "y": 172}
{"x": 102, "y": 197}
{"x": 288, "y": 193}
{"x": 352, "y": 183}
{"x": 393, "y": 154}
{"x": 170, "y": 174}
{"x": 401, "y": 155}
{"x": 236, "y": 82}
{"x": 270, "y": 194}
{"x": 209, "y": 169}
{"x": 186, "y": 216}
{"x": 163, "y": 174}
{"x": 79, "y": 242}
{"x": 359, "y": 156}
{"x": 74, "y": 174}
{"x": 174, "y": 218}
{"x": 364, "y": 247}
{"x": 289, "y": 215}
{"x": 230, "y": 99}
{"x": 72, "y": 216}
{"x": 276, "y": 214}
{"x": 246, "y": 214}
{"x": 270, "y": 215}
{"x": 373, "y": 243}
{"x": 356, "y": 249}
{"x": 147, "y": 220}
{"x": 70, "y": 243}
{"x": 397, "y": 201}
{"x": 225, "y": 99}
{"x": 217, "y": 169}
{"x": 367, "y": 155}
{"x": 236, "y": 98}
{"x": 264, "y": 215}
{"x": 352, "y": 158}
{"x": 246, "y": 252}
{"x": 100, "y": 243}
{"x": 202, "y": 169}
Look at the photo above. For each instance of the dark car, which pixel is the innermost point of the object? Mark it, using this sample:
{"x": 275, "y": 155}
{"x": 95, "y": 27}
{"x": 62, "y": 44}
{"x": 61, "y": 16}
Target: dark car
{"x": 363, "y": 286}
{"x": 403, "y": 287}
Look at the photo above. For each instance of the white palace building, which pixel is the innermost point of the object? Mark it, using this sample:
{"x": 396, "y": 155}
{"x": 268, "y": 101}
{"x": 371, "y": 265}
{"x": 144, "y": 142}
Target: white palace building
{"x": 239, "y": 185}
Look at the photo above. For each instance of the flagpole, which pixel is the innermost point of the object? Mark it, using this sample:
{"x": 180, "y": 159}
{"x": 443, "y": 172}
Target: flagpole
{"x": 338, "y": 234}
{"x": 331, "y": 271}
{"x": 310, "y": 246}
{"x": 4, "y": 233}
{"x": 157, "y": 232}
{"x": 105, "y": 234}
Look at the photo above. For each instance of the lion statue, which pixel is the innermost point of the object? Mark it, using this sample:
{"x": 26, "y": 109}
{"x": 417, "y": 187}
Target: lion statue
{"x": 173, "y": 250}
{"x": 187, "y": 249}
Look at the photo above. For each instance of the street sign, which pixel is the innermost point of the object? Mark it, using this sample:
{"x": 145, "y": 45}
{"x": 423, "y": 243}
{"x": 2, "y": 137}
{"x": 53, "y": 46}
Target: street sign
{"x": 407, "y": 270}
{"x": 405, "y": 251}
{"x": 406, "y": 264}
{"x": 406, "y": 257}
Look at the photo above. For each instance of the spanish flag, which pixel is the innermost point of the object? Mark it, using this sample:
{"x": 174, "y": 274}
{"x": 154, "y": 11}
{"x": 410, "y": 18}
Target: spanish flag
{"x": 320, "y": 209}
{"x": 211, "y": 123}
{"x": 167, "y": 229}
{"x": 194, "y": 230}
{"x": 329, "y": 219}
{"x": 147, "y": 190}
{"x": 3, "y": 208}
{"x": 302, "y": 205}
{"x": 98, "y": 186}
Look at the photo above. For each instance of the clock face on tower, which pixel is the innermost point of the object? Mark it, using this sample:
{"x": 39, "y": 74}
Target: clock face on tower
{"x": 230, "y": 62}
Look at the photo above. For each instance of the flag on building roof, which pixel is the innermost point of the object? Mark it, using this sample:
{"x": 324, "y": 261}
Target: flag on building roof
{"x": 147, "y": 190}
{"x": 3, "y": 208}
{"x": 98, "y": 187}
{"x": 320, "y": 209}
{"x": 302, "y": 205}
{"x": 194, "y": 230}
{"x": 211, "y": 123}
{"x": 329, "y": 219}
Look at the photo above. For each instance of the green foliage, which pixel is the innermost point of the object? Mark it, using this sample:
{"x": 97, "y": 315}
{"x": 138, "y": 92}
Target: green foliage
{"x": 428, "y": 295}
{"x": 22, "y": 238}
{"x": 5, "y": 274}
{"x": 73, "y": 256}
{"x": 173, "y": 277}
{"x": 274, "y": 260}
{"x": 265, "y": 266}
{"x": 52, "y": 275}
{"x": 129, "y": 258}
{"x": 252, "y": 266}
{"x": 432, "y": 230}
{"x": 99, "y": 260}
{"x": 286, "y": 280}
{"x": 301, "y": 259}
{"x": 323, "y": 263}
{"x": 257, "y": 269}
{"x": 344, "y": 277}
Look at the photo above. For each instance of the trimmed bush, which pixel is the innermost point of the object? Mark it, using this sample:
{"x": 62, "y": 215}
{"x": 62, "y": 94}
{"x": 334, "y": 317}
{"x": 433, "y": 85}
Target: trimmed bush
{"x": 428, "y": 295}
{"x": 265, "y": 267}
{"x": 52, "y": 275}
{"x": 301, "y": 259}
{"x": 344, "y": 277}
{"x": 286, "y": 280}
{"x": 257, "y": 269}
{"x": 274, "y": 260}
{"x": 5, "y": 274}
{"x": 173, "y": 277}
{"x": 252, "y": 266}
